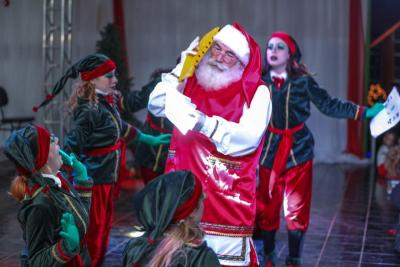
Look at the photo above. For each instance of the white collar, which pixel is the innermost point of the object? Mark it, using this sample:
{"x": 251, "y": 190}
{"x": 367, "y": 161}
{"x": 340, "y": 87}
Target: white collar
{"x": 98, "y": 91}
{"x": 282, "y": 75}
{"x": 56, "y": 180}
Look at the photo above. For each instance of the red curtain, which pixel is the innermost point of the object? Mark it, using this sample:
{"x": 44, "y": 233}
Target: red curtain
{"x": 355, "y": 90}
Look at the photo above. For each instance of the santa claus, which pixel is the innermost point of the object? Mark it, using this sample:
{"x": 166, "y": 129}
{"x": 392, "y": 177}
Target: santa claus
{"x": 226, "y": 108}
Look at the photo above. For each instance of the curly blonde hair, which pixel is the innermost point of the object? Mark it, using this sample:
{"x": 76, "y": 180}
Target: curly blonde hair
{"x": 171, "y": 247}
{"x": 84, "y": 90}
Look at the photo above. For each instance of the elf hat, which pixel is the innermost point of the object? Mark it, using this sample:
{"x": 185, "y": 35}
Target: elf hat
{"x": 28, "y": 148}
{"x": 89, "y": 68}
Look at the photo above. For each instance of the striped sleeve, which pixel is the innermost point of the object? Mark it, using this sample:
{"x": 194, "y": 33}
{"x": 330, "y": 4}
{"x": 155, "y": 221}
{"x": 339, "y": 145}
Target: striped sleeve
{"x": 84, "y": 189}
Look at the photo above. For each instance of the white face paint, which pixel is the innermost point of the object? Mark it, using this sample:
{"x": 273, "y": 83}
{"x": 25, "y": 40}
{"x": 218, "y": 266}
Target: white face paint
{"x": 277, "y": 54}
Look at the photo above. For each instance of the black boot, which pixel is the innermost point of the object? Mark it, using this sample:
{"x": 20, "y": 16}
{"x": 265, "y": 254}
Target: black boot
{"x": 293, "y": 262}
{"x": 269, "y": 248}
{"x": 296, "y": 240}
{"x": 397, "y": 239}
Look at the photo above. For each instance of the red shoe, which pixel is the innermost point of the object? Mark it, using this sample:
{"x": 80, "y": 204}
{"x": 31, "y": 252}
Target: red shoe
{"x": 269, "y": 264}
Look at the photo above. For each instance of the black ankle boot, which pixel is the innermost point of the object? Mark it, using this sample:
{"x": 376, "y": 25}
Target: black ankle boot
{"x": 269, "y": 248}
{"x": 293, "y": 262}
{"x": 269, "y": 259}
{"x": 296, "y": 240}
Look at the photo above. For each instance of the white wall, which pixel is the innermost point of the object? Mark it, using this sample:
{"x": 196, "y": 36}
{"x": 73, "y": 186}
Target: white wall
{"x": 21, "y": 56}
{"x": 158, "y": 30}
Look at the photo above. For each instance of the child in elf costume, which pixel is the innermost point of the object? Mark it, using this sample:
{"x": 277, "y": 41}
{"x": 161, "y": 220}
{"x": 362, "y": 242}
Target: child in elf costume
{"x": 98, "y": 137}
{"x": 54, "y": 215}
{"x": 286, "y": 160}
{"x": 151, "y": 159}
{"x": 169, "y": 209}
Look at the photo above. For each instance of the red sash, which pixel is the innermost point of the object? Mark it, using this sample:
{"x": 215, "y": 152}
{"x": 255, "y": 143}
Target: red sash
{"x": 121, "y": 144}
{"x": 282, "y": 154}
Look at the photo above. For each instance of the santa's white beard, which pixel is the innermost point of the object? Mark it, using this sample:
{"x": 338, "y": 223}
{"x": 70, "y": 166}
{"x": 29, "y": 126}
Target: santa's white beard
{"x": 213, "y": 75}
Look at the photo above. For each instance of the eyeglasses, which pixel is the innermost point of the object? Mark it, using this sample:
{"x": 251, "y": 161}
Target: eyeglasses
{"x": 111, "y": 75}
{"x": 227, "y": 57}
{"x": 53, "y": 138}
{"x": 278, "y": 46}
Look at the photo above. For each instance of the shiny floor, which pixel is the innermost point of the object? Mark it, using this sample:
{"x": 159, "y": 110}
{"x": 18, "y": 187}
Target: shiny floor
{"x": 349, "y": 226}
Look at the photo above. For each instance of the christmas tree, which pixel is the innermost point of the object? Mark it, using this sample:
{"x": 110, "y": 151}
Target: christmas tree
{"x": 110, "y": 45}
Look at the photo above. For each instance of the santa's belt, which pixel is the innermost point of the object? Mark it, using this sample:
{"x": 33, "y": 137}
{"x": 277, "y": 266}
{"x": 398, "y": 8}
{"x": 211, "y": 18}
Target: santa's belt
{"x": 282, "y": 154}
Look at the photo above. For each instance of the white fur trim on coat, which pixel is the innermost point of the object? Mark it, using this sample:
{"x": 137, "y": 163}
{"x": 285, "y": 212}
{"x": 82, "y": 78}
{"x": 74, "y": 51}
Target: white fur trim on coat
{"x": 235, "y": 40}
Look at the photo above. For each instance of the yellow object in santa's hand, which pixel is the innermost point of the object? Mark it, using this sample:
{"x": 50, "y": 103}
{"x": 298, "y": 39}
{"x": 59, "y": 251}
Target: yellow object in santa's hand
{"x": 192, "y": 61}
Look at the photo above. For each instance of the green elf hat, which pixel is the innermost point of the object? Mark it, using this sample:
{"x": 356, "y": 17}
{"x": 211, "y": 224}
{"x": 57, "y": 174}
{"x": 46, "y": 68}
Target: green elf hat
{"x": 164, "y": 201}
{"x": 90, "y": 67}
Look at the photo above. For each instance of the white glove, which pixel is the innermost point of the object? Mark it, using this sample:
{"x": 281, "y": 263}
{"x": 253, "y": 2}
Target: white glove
{"x": 180, "y": 111}
{"x": 190, "y": 50}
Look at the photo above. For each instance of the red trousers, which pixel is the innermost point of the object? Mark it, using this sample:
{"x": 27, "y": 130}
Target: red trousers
{"x": 101, "y": 214}
{"x": 293, "y": 189}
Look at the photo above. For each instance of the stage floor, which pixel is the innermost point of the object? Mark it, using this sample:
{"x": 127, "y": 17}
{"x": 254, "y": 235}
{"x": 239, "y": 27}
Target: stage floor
{"x": 350, "y": 219}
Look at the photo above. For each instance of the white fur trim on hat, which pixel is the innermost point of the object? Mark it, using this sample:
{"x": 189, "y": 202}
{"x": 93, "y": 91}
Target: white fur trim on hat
{"x": 235, "y": 40}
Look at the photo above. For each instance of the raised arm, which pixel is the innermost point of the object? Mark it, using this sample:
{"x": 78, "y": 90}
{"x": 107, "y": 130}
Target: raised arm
{"x": 333, "y": 107}
{"x": 238, "y": 139}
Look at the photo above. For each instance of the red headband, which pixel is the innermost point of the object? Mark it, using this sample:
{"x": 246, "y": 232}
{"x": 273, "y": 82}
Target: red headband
{"x": 287, "y": 39}
{"x": 186, "y": 208}
{"x": 43, "y": 147}
{"x": 104, "y": 68}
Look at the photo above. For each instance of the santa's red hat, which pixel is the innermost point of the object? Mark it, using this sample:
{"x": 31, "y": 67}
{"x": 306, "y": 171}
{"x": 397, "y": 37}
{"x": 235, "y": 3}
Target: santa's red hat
{"x": 235, "y": 40}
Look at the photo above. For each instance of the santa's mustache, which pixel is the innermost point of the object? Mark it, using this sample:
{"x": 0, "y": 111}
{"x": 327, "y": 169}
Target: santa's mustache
{"x": 214, "y": 63}
{"x": 213, "y": 75}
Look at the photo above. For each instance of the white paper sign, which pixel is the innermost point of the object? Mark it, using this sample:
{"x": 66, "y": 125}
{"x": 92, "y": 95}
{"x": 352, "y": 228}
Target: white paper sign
{"x": 389, "y": 116}
{"x": 180, "y": 111}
